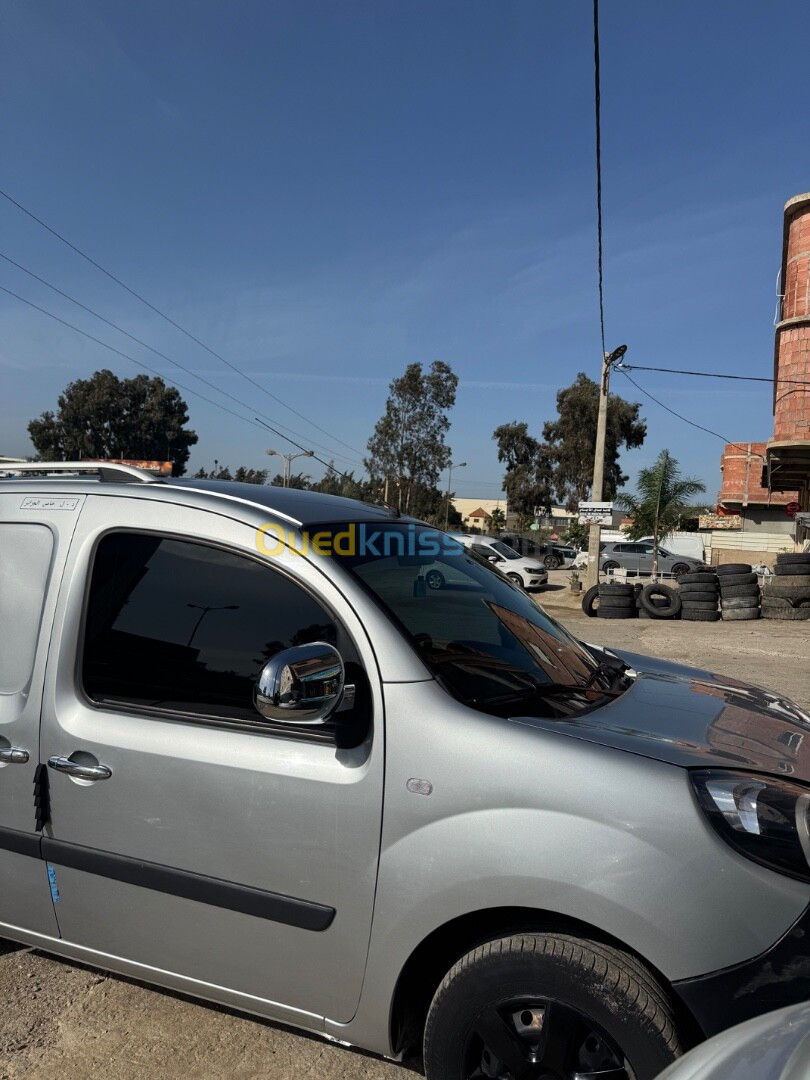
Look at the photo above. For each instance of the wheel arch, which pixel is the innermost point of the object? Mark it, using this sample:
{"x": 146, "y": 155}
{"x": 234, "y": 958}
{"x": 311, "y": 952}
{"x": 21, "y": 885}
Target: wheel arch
{"x": 435, "y": 955}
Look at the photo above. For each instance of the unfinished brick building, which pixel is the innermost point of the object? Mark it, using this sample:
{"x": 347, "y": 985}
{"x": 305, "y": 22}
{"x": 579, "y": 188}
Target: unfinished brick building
{"x": 761, "y": 479}
{"x": 788, "y": 452}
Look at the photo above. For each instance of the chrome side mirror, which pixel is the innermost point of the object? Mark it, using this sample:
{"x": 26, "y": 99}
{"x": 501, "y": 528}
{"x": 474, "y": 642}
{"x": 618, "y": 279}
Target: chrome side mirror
{"x": 303, "y": 685}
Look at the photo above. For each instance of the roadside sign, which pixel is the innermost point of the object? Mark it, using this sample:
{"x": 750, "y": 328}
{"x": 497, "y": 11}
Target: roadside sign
{"x": 596, "y": 513}
{"x": 792, "y": 509}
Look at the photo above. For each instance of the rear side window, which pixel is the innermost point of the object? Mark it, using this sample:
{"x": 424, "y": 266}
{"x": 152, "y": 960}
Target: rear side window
{"x": 25, "y": 560}
{"x": 187, "y": 627}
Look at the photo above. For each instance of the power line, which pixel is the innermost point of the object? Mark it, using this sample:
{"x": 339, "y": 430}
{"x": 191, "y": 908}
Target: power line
{"x": 713, "y": 375}
{"x": 151, "y": 349}
{"x": 598, "y": 109}
{"x": 700, "y": 427}
{"x": 172, "y": 322}
{"x": 126, "y": 356}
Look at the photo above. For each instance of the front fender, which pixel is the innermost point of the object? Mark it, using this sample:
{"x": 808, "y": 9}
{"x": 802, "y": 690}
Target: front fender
{"x": 522, "y": 817}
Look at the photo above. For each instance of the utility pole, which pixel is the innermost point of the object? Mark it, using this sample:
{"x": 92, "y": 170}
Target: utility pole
{"x": 458, "y": 465}
{"x": 598, "y": 485}
{"x": 287, "y": 458}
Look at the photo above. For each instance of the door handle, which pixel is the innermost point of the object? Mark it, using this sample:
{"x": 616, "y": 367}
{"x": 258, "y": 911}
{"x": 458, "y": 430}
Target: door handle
{"x": 12, "y": 756}
{"x": 81, "y": 772}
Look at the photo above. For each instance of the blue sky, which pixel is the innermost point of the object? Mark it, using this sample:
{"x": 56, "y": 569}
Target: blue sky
{"x": 325, "y": 191}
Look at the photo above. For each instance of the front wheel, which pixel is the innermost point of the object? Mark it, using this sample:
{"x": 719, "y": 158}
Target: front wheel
{"x": 609, "y": 567}
{"x": 679, "y": 569}
{"x": 551, "y": 562}
{"x": 549, "y": 1007}
{"x": 516, "y": 579}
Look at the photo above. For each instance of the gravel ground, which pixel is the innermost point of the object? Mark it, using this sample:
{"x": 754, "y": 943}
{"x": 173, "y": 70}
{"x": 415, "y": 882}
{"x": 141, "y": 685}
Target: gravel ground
{"x": 61, "y": 1019}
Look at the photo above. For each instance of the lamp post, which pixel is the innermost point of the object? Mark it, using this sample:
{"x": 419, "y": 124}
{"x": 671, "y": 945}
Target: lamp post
{"x": 205, "y": 610}
{"x": 287, "y": 458}
{"x": 597, "y": 487}
{"x": 457, "y": 465}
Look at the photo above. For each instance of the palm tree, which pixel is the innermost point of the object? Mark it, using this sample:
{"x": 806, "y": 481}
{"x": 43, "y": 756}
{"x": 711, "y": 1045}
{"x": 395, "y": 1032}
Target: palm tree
{"x": 663, "y": 496}
{"x": 497, "y": 520}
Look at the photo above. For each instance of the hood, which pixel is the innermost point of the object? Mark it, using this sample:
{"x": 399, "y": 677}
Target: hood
{"x": 696, "y": 719}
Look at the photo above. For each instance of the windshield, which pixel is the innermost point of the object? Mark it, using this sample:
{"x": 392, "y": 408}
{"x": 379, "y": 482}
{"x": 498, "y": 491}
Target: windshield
{"x": 502, "y": 549}
{"x": 483, "y": 638}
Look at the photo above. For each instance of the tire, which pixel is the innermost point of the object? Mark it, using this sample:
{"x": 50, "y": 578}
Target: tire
{"x": 434, "y": 579}
{"x": 580, "y": 984}
{"x": 700, "y": 605}
{"x": 695, "y": 577}
{"x": 784, "y": 568}
{"x": 590, "y": 601}
{"x": 775, "y": 601}
{"x": 516, "y": 579}
{"x": 609, "y": 567}
{"x": 649, "y": 592}
{"x": 739, "y": 590}
{"x": 797, "y": 558}
{"x": 700, "y": 616}
{"x": 792, "y": 581}
{"x": 733, "y": 568}
{"x": 616, "y": 601}
{"x": 699, "y": 597}
{"x": 786, "y": 614}
{"x": 731, "y": 580}
{"x": 741, "y": 615}
{"x": 616, "y": 590}
{"x": 739, "y": 603}
{"x": 781, "y": 592}
{"x": 679, "y": 569}
{"x": 687, "y": 587}
{"x": 603, "y": 612}
{"x": 551, "y": 562}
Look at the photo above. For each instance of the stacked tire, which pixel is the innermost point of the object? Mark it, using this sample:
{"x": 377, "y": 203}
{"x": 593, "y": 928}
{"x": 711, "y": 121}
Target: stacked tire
{"x": 787, "y": 595}
{"x": 739, "y": 592}
{"x": 699, "y": 591}
{"x": 616, "y": 602}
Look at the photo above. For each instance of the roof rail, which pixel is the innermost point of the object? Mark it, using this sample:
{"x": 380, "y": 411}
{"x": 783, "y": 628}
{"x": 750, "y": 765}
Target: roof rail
{"x": 108, "y": 471}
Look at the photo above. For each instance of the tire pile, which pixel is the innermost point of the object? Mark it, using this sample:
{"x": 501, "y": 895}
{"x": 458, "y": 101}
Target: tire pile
{"x": 739, "y": 592}
{"x": 616, "y": 602}
{"x": 787, "y": 595}
{"x": 699, "y": 592}
{"x": 619, "y": 601}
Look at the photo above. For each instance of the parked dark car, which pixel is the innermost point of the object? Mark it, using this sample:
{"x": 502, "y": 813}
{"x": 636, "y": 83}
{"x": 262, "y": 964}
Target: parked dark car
{"x": 551, "y": 554}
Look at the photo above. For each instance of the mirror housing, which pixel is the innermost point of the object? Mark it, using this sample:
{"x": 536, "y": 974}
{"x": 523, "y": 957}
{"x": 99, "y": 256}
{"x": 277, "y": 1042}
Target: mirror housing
{"x": 301, "y": 686}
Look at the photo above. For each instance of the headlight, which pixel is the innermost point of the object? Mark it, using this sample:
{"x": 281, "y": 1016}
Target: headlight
{"x": 763, "y": 818}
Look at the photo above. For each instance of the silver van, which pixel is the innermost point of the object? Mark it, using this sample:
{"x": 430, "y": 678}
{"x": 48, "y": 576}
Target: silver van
{"x": 247, "y": 753}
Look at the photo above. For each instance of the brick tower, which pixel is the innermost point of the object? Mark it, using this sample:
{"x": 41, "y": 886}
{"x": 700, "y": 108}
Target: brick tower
{"x": 788, "y": 452}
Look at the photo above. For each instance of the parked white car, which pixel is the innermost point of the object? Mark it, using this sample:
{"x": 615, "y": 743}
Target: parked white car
{"x": 521, "y": 570}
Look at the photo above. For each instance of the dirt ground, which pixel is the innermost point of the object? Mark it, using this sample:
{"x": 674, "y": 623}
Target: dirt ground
{"x": 61, "y": 1019}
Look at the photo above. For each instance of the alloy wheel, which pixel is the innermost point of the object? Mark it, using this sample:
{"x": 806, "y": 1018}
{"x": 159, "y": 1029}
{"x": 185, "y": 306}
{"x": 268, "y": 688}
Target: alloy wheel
{"x": 540, "y": 1040}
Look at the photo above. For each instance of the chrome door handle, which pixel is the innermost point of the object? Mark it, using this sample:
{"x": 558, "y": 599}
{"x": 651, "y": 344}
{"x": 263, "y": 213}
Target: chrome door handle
{"x": 12, "y": 756}
{"x": 81, "y": 772}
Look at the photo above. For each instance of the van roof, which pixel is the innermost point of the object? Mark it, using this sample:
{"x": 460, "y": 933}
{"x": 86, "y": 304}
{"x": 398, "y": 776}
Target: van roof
{"x": 301, "y": 508}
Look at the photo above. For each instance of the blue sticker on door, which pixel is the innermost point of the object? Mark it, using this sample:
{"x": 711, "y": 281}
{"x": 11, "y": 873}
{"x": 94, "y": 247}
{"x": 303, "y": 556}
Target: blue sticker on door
{"x": 54, "y": 886}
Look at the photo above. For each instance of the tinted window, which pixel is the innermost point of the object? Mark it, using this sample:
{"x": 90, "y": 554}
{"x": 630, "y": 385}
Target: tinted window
{"x": 187, "y": 627}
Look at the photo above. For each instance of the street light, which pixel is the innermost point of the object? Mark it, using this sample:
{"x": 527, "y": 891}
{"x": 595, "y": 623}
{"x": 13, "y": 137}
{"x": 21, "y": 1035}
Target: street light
{"x": 205, "y": 610}
{"x": 287, "y": 458}
{"x": 457, "y": 465}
